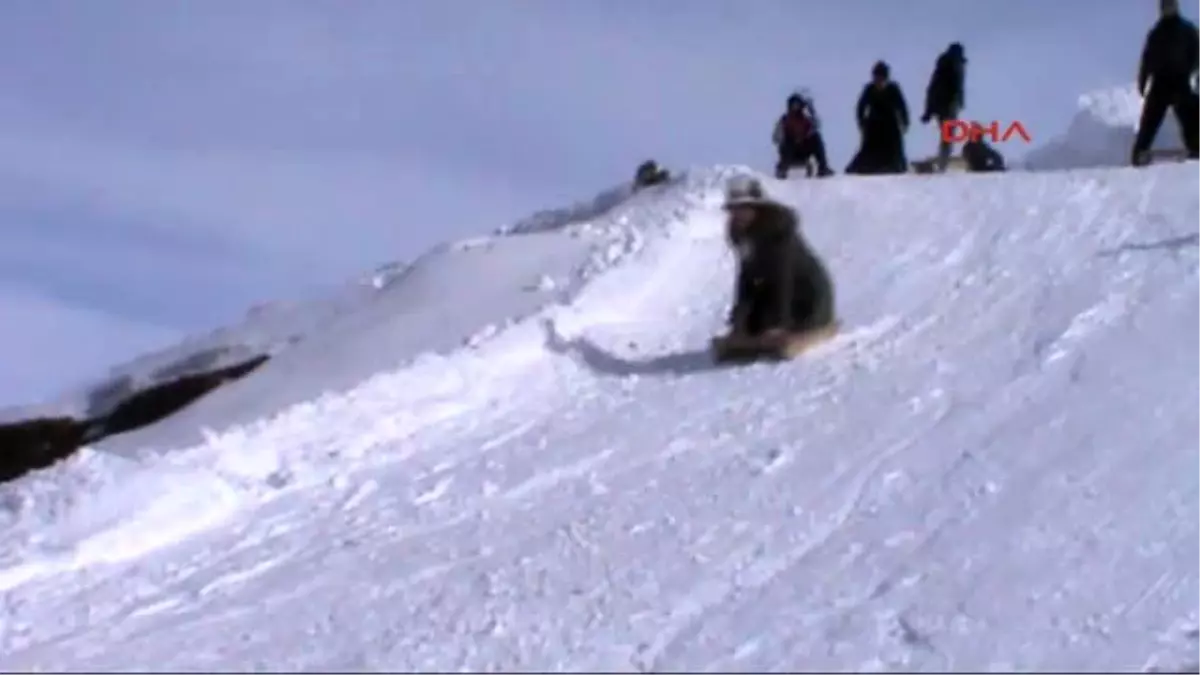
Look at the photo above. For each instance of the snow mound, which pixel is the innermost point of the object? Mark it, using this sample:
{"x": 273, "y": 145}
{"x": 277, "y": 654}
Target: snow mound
{"x": 994, "y": 468}
{"x": 440, "y": 329}
{"x": 580, "y": 212}
{"x": 550, "y": 267}
{"x": 1101, "y": 133}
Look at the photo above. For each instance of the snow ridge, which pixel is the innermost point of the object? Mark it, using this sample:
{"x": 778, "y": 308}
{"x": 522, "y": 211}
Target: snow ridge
{"x": 52, "y": 524}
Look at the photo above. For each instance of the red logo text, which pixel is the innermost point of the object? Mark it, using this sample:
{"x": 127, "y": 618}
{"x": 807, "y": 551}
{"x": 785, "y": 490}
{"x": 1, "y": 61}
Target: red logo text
{"x": 960, "y": 131}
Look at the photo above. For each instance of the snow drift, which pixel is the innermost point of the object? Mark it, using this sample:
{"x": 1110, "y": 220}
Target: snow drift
{"x": 1102, "y": 133}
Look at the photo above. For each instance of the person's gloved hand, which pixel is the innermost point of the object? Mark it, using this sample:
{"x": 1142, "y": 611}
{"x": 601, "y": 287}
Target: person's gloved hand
{"x": 925, "y": 118}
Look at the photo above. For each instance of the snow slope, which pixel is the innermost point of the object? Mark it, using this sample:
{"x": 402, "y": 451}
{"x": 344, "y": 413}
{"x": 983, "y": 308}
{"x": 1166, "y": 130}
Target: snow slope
{"x": 1102, "y": 133}
{"x": 995, "y": 467}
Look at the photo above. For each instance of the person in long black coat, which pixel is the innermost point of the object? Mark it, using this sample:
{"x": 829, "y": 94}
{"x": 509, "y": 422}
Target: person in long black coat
{"x": 882, "y": 114}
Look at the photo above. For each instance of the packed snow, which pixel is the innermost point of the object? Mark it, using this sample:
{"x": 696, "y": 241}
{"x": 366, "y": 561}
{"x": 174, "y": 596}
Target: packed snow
{"x": 515, "y": 454}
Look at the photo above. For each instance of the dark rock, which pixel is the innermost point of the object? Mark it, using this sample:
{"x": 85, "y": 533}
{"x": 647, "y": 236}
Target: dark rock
{"x": 29, "y": 445}
{"x": 34, "y": 444}
{"x": 163, "y": 400}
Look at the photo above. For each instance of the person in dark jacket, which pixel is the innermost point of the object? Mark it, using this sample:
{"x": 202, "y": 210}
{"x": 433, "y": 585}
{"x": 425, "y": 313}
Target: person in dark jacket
{"x": 882, "y": 114}
{"x": 782, "y": 287}
{"x": 648, "y": 174}
{"x": 981, "y": 157}
{"x": 797, "y": 136}
{"x": 945, "y": 97}
{"x": 1169, "y": 59}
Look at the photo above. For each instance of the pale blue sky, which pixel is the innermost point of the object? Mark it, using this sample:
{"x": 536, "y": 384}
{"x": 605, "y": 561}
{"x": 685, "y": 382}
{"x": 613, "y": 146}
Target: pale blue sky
{"x": 166, "y": 164}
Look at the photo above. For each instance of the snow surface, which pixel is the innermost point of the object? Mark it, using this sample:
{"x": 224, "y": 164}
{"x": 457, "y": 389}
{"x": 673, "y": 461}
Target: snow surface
{"x": 995, "y": 467}
{"x": 1102, "y": 133}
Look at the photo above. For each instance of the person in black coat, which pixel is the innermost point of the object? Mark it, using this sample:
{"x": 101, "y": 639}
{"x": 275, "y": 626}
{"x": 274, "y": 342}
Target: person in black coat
{"x": 882, "y": 114}
{"x": 782, "y": 287}
{"x": 1169, "y": 60}
{"x": 981, "y": 157}
{"x": 945, "y": 97}
{"x": 649, "y": 174}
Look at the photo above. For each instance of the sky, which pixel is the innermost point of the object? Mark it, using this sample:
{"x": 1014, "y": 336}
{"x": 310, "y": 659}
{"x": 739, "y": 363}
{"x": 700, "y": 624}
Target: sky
{"x": 167, "y": 164}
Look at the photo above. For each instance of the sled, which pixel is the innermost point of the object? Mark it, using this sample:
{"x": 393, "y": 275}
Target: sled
{"x": 741, "y": 348}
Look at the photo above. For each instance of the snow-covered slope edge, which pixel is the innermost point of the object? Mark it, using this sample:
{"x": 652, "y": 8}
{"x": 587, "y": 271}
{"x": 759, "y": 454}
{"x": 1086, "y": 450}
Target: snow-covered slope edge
{"x": 326, "y": 345}
{"x": 452, "y": 320}
{"x": 1101, "y": 133}
{"x": 994, "y": 469}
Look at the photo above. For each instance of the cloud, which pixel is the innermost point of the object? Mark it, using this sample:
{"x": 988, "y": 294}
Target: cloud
{"x": 176, "y": 163}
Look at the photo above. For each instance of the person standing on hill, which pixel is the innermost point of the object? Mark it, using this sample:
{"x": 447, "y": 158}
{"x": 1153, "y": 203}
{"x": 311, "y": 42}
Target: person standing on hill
{"x": 945, "y": 97}
{"x": 882, "y": 115}
{"x": 1169, "y": 61}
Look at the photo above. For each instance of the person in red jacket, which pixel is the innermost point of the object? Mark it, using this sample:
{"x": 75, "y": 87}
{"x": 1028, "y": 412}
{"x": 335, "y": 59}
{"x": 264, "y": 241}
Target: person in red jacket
{"x": 797, "y": 136}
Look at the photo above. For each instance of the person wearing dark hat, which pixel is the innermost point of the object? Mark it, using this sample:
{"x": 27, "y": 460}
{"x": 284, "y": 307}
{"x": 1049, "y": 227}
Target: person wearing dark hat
{"x": 981, "y": 157}
{"x": 882, "y": 114}
{"x": 648, "y": 174}
{"x": 1169, "y": 62}
{"x": 782, "y": 288}
{"x": 945, "y": 96}
{"x": 797, "y": 136}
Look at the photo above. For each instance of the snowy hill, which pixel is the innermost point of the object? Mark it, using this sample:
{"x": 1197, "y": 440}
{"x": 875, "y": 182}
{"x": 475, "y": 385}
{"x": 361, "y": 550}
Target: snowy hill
{"x": 515, "y": 454}
{"x": 1102, "y": 133}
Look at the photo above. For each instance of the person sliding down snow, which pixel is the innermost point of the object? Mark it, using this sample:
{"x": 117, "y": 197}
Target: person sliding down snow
{"x": 981, "y": 157}
{"x": 782, "y": 287}
{"x": 797, "y": 136}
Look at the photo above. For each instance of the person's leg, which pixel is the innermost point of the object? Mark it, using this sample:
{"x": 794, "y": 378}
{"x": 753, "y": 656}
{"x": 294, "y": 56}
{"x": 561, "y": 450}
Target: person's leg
{"x": 945, "y": 147}
{"x": 1185, "y": 109}
{"x": 1154, "y": 108}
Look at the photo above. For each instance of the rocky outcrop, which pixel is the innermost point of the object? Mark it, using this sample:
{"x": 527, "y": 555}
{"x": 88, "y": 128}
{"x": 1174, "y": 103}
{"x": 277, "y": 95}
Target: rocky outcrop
{"x": 34, "y": 444}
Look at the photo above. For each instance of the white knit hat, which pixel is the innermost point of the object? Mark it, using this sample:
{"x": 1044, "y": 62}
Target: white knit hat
{"x": 744, "y": 191}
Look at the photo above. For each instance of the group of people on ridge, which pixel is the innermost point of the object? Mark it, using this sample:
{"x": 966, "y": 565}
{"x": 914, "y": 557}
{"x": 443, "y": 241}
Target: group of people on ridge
{"x": 883, "y": 119}
{"x": 783, "y": 294}
{"x": 1166, "y": 80}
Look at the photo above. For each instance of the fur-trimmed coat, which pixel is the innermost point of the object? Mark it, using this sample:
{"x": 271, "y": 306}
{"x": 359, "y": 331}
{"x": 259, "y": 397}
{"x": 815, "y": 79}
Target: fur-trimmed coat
{"x": 781, "y": 283}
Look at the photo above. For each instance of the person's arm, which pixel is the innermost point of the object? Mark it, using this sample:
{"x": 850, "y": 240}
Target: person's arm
{"x": 931, "y": 93}
{"x": 1193, "y": 49}
{"x": 1147, "y": 61}
{"x": 960, "y": 83}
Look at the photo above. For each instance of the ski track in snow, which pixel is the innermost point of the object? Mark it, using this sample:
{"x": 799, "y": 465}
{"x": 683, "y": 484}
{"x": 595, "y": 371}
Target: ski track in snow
{"x": 978, "y": 474}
